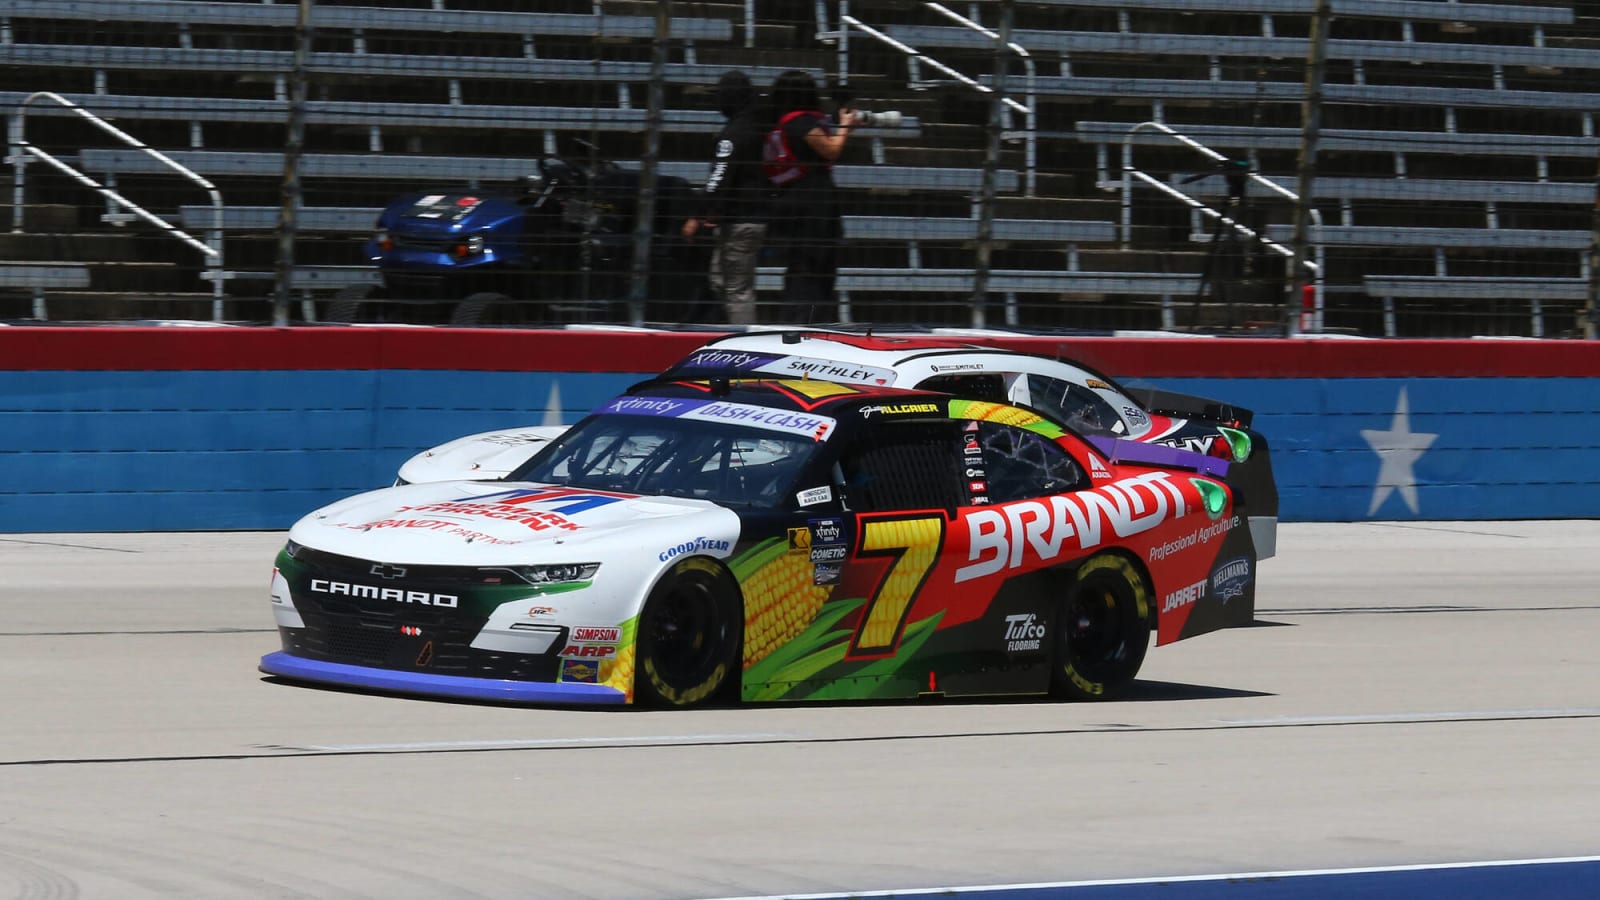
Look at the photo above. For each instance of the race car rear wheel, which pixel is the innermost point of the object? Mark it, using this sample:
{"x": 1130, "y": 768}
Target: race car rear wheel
{"x": 688, "y": 644}
{"x": 1104, "y": 629}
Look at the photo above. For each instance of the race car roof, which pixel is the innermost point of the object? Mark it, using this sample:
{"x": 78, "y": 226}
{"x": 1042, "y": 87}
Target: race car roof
{"x": 799, "y": 395}
{"x": 876, "y": 360}
{"x": 841, "y": 346}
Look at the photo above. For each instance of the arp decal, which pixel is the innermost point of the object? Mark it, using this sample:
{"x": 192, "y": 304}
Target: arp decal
{"x": 590, "y": 651}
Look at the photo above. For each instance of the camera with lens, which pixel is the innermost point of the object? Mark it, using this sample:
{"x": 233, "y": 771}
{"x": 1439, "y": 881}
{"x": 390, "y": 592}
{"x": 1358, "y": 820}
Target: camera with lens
{"x": 845, "y": 99}
{"x": 889, "y": 118}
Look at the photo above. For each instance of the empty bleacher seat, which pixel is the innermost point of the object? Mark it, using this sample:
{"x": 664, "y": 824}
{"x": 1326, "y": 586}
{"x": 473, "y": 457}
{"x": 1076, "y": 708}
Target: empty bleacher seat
{"x": 1420, "y": 10}
{"x": 383, "y": 18}
{"x": 1001, "y": 281}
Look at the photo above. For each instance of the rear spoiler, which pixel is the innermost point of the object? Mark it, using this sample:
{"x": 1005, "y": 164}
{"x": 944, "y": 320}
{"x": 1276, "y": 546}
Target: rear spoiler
{"x": 1188, "y": 406}
{"x": 1123, "y": 450}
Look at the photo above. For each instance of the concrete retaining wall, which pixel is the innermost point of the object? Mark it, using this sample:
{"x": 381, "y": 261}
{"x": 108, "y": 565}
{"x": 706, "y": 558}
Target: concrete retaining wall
{"x": 123, "y": 429}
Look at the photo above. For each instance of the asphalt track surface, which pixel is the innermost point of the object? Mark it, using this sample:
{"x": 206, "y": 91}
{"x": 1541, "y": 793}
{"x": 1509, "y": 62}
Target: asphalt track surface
{"x": 1414, "y": 693}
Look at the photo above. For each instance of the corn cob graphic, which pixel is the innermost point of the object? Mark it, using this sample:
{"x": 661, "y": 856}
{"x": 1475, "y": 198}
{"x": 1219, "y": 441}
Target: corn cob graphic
{"x": 983, "y": 410}
{"x": 994, "y": 412}
{"x": 618, "y": 673}
{"x": 780, "y": 600}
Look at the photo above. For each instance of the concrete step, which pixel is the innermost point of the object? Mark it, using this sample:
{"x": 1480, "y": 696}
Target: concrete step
{"x": 92, "y": 247}
{"x": 1052, "y": 206}
{"x": 42, "y": 216}
{"x": 110, "y": 306}
{"x": 1116, "y": 260}
{"x": 144, "y": 277}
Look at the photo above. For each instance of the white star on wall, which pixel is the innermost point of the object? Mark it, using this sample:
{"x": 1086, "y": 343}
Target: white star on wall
{"x": 1398, "y": 449}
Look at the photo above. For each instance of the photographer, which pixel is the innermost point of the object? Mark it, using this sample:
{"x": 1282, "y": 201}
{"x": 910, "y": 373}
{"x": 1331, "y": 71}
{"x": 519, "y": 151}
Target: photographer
{"x": 806, "y": 220}
{"x": 734, "y": 199}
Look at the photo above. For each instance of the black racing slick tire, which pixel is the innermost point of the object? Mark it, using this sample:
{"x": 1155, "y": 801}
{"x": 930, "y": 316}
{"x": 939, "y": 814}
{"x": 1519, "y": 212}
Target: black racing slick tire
{"x": 688, "y": 637}
{"x": 1104, "y": 629}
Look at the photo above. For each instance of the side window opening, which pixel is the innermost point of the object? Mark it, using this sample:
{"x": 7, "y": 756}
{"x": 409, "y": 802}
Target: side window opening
{"x": 1074, "y": 405}
{"x": 1021, "y": 464}
{"x": 989, "y": 386}
{"x": 905, "y": 465}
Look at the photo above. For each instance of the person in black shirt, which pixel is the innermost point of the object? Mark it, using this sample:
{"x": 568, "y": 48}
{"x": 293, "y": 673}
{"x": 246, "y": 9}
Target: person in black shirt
{"x": 734, "y": 199}
{"x": 805, "y": 211}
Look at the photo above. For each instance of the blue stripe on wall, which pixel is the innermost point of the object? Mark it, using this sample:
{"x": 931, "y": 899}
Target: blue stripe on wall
{"x": 1502, "y": 448}
{"x": 116, "y": 451}
{"x": 159, "y": 451}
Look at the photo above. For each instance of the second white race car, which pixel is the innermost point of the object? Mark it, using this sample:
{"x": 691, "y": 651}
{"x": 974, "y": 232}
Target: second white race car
{"x": 1092, "y": 403}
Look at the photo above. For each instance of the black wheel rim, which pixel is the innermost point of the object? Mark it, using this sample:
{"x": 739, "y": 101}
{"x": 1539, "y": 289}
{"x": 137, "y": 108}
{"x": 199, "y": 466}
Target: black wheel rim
{"x": 684, "y": 646}
{"x": 1095, "y": 643}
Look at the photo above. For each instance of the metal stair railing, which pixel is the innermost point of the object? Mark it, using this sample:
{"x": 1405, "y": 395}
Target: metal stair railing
{"x": 23, "y": 153}
{"x": 916, "y": 58}
{"x": 1309, "y": 321}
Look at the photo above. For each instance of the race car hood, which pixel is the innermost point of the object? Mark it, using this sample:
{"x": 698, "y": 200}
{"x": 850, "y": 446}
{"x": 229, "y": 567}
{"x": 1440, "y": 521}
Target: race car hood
{"x": 490, "y": 454}
{"x": 472, "y": 523}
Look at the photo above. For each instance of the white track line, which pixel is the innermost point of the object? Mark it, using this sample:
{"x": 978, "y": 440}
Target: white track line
{"x": 546, "y": 742}
{"x": 1298, "y": 873}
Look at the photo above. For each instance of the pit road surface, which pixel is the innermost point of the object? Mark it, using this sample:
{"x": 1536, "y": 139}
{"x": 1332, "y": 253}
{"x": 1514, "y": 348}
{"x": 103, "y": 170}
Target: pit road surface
{"x": 1415, "y": 693}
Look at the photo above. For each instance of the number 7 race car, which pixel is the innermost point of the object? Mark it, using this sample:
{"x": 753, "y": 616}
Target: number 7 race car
{"x": 1089, "y": 402}
{"x": 772, "y": 540}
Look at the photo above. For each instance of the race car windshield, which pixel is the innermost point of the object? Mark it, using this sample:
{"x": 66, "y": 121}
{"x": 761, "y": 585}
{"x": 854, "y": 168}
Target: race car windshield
{"x": 727, "y": 464}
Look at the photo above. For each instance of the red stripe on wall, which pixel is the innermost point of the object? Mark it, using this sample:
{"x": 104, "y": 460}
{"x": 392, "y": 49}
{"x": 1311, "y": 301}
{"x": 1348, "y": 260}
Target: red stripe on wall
{"x": 136, "y": 349}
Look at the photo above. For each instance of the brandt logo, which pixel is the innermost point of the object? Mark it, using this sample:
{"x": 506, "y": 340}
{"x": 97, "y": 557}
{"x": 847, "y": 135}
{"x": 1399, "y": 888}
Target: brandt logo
{"x": 386, "y": 571}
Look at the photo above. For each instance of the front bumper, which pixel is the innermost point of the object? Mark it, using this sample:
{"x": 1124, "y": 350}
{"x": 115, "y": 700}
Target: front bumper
{"x": 456, "y": 686}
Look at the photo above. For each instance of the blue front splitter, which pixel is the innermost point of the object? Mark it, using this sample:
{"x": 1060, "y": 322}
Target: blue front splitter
{"x": 497, "y": 689}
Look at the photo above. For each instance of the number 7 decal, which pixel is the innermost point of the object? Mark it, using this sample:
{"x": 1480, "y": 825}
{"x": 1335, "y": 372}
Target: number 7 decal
{"x": 912, "y": 545}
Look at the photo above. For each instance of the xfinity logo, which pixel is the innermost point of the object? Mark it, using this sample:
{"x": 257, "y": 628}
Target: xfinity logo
{"x": 369, "y": 592}
{"x": 386, "y": 571}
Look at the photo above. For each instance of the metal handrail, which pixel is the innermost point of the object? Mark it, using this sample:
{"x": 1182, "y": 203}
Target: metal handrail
{"x": 1129, "y": 174}
{"x": 1030, "y": 136}
{"x": 18, "y": 159}
{"x": 846, "y": 22}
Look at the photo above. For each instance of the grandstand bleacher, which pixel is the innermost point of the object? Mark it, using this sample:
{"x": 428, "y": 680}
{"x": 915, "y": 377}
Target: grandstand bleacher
{"x": 1457, "y": 152}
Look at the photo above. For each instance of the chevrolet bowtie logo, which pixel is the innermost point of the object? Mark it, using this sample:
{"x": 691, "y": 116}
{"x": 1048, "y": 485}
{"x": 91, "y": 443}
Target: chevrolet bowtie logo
{"x": 384, "y": 570}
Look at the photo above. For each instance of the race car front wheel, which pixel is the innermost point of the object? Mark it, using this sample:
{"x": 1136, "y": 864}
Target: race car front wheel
{"x": 688, "y": 644}
{"x": 1104, "y": 629}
